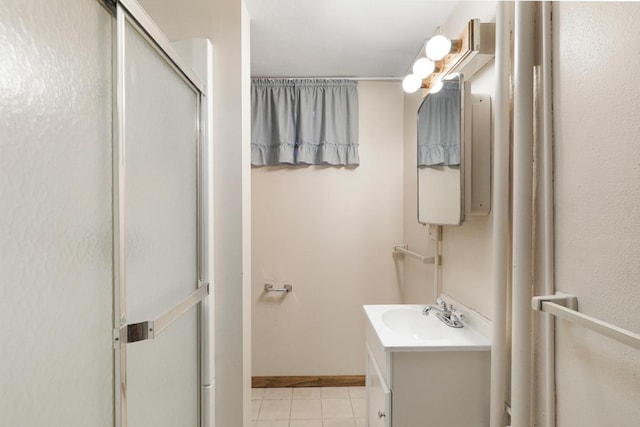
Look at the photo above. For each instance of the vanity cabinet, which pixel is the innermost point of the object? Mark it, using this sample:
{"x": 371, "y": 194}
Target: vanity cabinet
{"x": 422, "y": 388}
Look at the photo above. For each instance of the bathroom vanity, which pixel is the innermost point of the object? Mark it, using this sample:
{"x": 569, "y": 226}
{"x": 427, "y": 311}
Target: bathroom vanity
{"x": 421, "y": 372}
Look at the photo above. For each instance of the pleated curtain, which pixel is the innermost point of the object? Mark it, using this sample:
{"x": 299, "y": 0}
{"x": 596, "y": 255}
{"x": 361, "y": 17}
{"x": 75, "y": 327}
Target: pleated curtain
{"x": 304, "y": 121}
{"x": 273, "y": 127}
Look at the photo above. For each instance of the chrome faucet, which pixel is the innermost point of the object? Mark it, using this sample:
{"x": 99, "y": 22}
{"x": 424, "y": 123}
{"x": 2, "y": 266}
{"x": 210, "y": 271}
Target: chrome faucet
{"x": 445, "y": 312}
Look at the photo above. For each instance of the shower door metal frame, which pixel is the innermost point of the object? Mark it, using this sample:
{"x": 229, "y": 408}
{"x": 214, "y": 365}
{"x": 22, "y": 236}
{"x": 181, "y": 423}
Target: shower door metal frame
{"x": 130, "y": 12}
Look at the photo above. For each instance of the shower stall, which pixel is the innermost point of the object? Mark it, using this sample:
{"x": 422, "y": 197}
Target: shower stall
{"x": 105, "y": 206}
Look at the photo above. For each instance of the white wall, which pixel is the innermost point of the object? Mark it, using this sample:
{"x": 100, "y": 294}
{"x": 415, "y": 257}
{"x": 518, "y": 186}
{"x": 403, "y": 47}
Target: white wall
{"x": 466, "y": 249}
{"x": 597, "y": 229}
{"x": 597, "y": 211}
{"x": 245, "y": 76}
{"x": 417, "y": 280}
{"x": 226, "y": 24}
{"x": 597, "y": 205}
{"x": 231, "y": 206}
{"x": 329, "y": 232}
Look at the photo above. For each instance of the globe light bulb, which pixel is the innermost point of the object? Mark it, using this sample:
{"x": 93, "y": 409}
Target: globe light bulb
{"x": 411, "y": 83}
{"x": 436, "y": 87}
{"x": 438, "y": 47}
{"x": 423, "y": 67}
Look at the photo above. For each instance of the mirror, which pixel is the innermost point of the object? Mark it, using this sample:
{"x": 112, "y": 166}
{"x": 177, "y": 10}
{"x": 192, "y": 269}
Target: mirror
{"x": 441, "y": 177}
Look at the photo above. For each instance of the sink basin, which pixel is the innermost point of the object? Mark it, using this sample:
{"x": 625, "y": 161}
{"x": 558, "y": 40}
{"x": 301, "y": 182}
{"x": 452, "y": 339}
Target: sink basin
{"x": 413, "y": 323}
{"x": 403, "y": 327}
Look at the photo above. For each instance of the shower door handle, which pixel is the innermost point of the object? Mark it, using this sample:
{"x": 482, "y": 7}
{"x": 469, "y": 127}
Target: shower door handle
{"x": 148, "y": 329}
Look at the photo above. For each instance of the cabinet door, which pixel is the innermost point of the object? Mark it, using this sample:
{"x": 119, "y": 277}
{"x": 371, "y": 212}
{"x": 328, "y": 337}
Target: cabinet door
{"x": 378, "y": 396}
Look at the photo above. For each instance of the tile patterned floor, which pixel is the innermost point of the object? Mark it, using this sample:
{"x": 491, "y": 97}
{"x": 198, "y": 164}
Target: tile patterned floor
{"x": 308, "y": 407}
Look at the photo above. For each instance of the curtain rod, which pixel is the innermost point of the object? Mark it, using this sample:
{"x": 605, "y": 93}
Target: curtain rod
{"x": 334, "y": 78}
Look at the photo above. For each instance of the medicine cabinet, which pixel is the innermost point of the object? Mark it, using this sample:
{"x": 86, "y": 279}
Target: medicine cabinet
{"x": 454, "y": 187}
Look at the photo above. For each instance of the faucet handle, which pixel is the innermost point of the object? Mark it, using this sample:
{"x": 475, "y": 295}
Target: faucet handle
{"x": 447, "y": 308}
{"x": 456, "y": 313}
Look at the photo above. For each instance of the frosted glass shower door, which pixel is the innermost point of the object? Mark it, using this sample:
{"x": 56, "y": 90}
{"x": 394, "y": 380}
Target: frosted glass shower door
{"x": 157, "y": 227}
{"x": 56, "y": 272}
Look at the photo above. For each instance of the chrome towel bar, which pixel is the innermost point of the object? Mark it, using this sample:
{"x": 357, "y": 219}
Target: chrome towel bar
{"x": 268, "y": 287}
{"x": 566, "y": 307}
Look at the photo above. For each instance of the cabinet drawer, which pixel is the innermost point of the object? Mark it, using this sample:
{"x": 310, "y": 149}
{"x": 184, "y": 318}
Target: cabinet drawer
{"x": 378, "y": 395}
{"x": 378, "y": 354}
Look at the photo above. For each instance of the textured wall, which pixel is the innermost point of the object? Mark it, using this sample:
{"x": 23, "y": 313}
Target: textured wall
{"x": 597, "y": 211}
{"x": 466, "y": 249}
{"x": 597, "y": 201}
{"x": 329, "y": 232}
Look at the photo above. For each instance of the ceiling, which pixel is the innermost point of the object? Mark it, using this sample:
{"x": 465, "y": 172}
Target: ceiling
{"x": 340, "y": 38}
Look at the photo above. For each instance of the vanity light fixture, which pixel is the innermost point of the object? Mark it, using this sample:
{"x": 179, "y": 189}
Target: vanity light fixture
{"x": 423, "y": 67}
{"x": 411, "y": 83}
{"x": 440, "y": 46}
{"x": 436, "y": 87}
{"x": 472, "y": 50}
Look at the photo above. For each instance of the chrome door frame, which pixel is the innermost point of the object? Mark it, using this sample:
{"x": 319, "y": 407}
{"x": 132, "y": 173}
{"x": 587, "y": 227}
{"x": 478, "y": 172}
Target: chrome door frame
{"x": 129, "y": 11}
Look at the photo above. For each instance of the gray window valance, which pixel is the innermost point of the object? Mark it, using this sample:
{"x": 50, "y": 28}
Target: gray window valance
{"x": 304, "y": 121}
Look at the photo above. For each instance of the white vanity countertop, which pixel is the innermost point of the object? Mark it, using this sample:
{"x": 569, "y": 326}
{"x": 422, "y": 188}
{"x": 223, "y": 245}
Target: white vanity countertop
{"x": 403, "y": 327}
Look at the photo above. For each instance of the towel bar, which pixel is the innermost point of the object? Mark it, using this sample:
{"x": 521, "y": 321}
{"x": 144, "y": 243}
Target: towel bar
{"x": 402, "y": 250}
{"x": 566, "y": 307}
{"x": 268, "y": 287}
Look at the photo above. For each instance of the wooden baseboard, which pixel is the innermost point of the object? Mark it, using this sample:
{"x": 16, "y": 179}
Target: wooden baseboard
{"x": 309, "y": 381}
